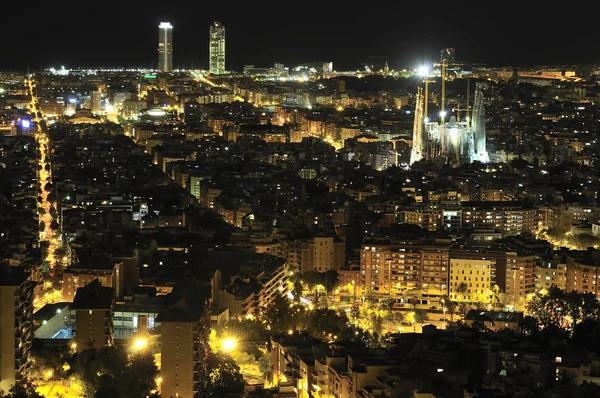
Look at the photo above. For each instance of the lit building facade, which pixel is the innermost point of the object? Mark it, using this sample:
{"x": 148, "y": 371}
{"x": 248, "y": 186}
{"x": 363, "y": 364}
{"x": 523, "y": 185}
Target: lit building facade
{"x": 583, "y": 274}
{"x": 165, "y": 47}
{"x": 551, "y": 272}
{"x": 16, "y": 321}
{"x": 217, "y": 49}
{"x": 471, "y": 280}
{"x": 521, "y": 271}
{"x": 401, "y": 270}
{"x": 511, "y": 218}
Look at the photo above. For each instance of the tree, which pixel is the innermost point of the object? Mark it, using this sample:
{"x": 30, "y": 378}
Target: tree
{"x": 324, "y": 323}
{"x": 420, "y": 316}
{"x": 48, "y": 187}
{"x": 583, "y": 241}
{"x": 223, "y": 376}
{"x": 138, "y": 378}
{"x": 53, "y": 213}
{"x": 498, "y": 298}
{"x": 297, "y": 292}
{"x": 280, "y": 317}
{"x": 561, "y": 311}
{"x": 108, "y": 372}
{"x": 529, "y": 325}
{"x": 414, "y": 298}
{"x": 22, "y": 390}
{"x": 462, "y": 289}
{"x": 265, "y": 367}
{"x": 450, "y": 307}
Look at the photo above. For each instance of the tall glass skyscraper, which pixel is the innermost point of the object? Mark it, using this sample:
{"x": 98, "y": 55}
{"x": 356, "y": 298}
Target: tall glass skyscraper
{"x": 217, "y": 49}
{"x": 165, "y": 47}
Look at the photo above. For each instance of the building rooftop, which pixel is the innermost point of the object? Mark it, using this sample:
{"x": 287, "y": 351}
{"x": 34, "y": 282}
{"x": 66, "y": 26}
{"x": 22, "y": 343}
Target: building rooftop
{"x": 48, "y": 311}
{"x": 12, "y": 276}
{"x": 93, "y": 264}
{"x": 93, "y": 296}
{"x": 495, "y": 316}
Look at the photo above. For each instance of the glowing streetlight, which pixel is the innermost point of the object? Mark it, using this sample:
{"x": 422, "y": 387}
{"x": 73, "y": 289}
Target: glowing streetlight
{"x": 74, "y": 346}
{"x": 423, "y": 71}
{"x": 140, "y": 344}
{"x": 228, "y": 345}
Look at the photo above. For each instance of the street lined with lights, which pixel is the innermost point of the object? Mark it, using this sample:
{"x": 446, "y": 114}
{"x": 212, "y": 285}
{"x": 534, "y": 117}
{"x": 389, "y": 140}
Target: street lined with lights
{"x": 48, "y": 234}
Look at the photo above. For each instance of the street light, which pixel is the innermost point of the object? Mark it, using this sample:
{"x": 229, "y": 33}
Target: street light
{"x": 228, "y": 345}
{"x": 140, "y": 344}
{"x": 159, "y": 381}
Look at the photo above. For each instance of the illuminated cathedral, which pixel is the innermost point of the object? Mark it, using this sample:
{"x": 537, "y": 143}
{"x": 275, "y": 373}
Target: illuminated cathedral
{"x": 454, "y": 142}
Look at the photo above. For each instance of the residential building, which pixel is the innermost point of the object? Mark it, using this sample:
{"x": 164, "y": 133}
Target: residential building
{"x": 322, "y": 253}
{"x": 583, "y": 272}
{"x": 16, "y": 323}
{"x": 107, "y": 272}
{"x": 473, "y": 274}
{"x": 93, "y": 306}
{"x": 523, "y": 255}
{"x": 400, "y": 270}
{"x": 252, "y": 288}
{"x": 511, "y": 218}
{"x": 551, "y": 271}
{"x": 183, "y": 335}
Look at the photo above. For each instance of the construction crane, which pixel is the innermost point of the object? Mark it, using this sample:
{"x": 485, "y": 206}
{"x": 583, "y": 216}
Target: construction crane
{"x": 444, "y": 66}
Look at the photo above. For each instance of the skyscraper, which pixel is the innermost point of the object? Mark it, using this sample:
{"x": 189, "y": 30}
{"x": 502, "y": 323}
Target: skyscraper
{"x": 217, "y": 49}
{"x": 165, "y": 47}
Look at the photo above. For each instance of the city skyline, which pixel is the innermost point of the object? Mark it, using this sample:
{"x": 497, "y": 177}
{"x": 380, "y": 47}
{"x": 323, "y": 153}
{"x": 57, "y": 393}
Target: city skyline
{"x": 404, "y": 40}
{"x": 295, "y": 200}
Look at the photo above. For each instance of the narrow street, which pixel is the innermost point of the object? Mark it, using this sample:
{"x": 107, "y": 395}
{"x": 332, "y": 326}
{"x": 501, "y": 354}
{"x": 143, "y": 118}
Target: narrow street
{"x": 49, "y": 237}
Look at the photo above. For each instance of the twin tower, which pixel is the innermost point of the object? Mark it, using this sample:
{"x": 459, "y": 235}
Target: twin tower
{"x": 216, "y": 48}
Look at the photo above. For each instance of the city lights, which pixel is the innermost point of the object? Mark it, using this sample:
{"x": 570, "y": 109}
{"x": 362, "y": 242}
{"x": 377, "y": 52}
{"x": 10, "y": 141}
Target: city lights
{"x": 172, "y": 231}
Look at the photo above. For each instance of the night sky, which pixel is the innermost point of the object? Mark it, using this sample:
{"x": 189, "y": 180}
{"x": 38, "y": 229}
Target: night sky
{"x": 112, "y": 33}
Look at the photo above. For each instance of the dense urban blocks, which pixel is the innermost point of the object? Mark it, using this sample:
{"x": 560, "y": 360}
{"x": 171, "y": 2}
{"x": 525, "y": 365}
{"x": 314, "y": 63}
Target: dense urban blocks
{"x": 299, "y": 230}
